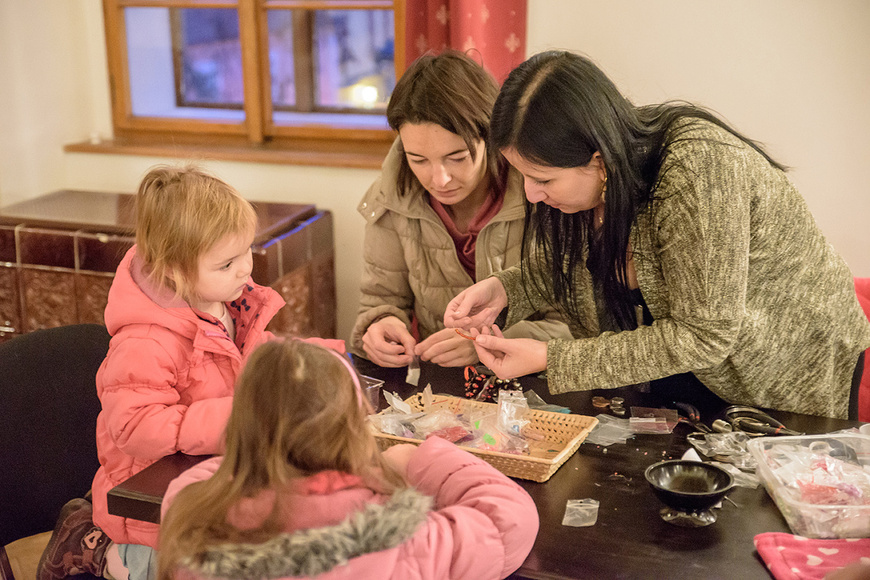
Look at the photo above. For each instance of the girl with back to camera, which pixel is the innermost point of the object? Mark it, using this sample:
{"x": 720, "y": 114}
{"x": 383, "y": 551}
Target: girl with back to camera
{"x": 184, "y": 315}
{"x": 665, "y": 211}
{"x": 445, "y": 212}
{"x": 304, "y": 492}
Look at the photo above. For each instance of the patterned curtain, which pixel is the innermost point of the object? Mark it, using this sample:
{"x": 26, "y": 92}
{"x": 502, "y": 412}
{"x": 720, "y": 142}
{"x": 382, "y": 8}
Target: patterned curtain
{"x": 493, "y": 32}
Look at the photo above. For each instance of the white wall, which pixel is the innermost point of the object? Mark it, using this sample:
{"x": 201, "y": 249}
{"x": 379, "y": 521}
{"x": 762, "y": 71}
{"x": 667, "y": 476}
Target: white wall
{"x": 793, "y": 74}
{"x": 43, "y": 98}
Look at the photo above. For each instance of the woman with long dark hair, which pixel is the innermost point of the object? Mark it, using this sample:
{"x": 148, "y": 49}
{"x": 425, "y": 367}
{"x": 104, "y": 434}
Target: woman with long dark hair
{"x": 672, "y": 244}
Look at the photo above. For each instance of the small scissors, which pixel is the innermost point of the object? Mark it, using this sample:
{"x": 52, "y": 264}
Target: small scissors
{"x": 755, "y": 421}
{"x": 692, "y": 417}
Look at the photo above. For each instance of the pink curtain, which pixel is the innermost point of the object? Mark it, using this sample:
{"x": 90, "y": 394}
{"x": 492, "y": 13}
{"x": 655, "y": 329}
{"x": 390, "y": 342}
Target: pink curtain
{"x": 493, "y": 32}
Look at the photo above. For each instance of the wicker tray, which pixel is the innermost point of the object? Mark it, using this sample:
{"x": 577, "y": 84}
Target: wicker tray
{"x": 563, "y": 435}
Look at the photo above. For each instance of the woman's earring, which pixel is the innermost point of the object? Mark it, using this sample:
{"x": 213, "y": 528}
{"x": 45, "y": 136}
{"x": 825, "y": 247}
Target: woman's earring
{"x": 604, "y": 189}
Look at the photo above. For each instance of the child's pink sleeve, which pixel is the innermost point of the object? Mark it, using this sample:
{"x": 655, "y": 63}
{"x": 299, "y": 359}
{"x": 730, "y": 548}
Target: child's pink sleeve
{"x": 199, "y": 472}
{"x": 333, "y": 343}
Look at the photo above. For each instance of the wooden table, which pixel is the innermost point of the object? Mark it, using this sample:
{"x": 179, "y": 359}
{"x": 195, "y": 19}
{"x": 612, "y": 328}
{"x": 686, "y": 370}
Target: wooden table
{"x": 629, "y": 540}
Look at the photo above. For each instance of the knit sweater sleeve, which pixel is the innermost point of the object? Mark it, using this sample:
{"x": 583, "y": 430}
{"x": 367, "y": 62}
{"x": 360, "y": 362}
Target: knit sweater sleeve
{"x": 520, "y": 303}
{"x": 698, "y": 235}
{"x": 525, "y": 299}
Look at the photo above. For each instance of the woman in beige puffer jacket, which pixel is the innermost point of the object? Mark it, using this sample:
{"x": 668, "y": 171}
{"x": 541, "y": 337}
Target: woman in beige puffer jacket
{"x": 441, "y": 199}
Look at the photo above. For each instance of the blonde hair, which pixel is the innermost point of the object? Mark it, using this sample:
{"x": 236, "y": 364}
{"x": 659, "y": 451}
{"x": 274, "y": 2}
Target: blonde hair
{"x": 296, "y": 411}
{"x": 181, "y": 212}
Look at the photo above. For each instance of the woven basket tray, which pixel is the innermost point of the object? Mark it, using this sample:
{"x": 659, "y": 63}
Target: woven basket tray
{"x": 563, "y": 435}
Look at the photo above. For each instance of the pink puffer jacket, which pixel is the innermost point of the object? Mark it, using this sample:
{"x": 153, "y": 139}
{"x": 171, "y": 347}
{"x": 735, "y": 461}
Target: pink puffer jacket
{"x": 461, "y": 520}
{"x": 167, "y": 382}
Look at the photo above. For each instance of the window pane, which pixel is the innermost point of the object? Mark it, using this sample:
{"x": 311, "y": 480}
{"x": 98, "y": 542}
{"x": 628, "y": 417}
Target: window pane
{"x": 211, "y": 57}
{"x": 353, "y": 62}
{"x": 184, "y": 62}
{"x": 281, "y": 58}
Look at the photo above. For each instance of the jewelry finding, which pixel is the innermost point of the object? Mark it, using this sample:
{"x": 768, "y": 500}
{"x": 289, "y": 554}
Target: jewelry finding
{"x": 462, "y": 334}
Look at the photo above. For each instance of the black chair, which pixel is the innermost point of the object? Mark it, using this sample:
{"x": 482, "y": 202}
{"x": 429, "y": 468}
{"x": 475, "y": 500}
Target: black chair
{"x": 48, "y": 455}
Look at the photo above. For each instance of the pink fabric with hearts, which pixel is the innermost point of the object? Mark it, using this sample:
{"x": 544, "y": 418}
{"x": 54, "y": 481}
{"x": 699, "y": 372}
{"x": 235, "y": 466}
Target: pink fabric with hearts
{"x": 790, "y": 557}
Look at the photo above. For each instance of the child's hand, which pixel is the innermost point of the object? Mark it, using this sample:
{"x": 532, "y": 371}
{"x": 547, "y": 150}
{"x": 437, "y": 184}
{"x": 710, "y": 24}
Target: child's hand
{"x": 398, "y": 456}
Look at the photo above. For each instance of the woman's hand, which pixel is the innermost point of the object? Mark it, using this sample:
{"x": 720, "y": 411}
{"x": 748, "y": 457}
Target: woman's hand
{"x": 477, "y": 306}
{"x": 509, "y": 358}
{"x": 447, "y": 349}
{"x": 388, "y": 343}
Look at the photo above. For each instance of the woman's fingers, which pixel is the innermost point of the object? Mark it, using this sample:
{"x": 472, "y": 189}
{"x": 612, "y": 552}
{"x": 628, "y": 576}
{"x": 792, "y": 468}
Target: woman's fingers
{"x": 487, "y": 357}
{"x": 388, "y": 343}
{"x": 456, "y": 309}
{"x": 466, "y": 304}
{"x": 388, "y": 360}
{"x": 449, "y": 350}
{"x": 509, "y": 358}
{"x": 482, "y": 319}
{"x": 477, "y": 305}
{"x": 495, "y": 343}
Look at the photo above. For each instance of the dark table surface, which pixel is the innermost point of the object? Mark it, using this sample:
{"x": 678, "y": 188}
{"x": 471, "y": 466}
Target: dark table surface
{"x": 629, "y": 540}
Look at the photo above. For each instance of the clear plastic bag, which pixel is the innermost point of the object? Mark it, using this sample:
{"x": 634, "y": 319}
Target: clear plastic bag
{"x": 442, "y": 423}
{"x": 726, "y": 447}
{"x": 398, "y": 424}
{"x": 580, "y": 513}
{"x": 489, "y": 436}
{"x": 512, "y": 410}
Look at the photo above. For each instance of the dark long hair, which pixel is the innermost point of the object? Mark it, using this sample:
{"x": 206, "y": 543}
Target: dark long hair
{"x": 453, "y": 91}
{"x": 558, "y": 109}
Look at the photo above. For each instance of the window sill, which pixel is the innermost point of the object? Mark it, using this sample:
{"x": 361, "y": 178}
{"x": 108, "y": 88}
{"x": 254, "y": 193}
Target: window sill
{"x": 367, "y": 154}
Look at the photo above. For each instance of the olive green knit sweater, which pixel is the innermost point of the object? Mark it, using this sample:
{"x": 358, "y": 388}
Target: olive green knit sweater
{"x": 745, "y": 291}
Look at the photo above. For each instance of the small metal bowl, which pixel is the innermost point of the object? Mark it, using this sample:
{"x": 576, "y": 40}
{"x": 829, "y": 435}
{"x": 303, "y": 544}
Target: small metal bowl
{"x": 688, "y": 486}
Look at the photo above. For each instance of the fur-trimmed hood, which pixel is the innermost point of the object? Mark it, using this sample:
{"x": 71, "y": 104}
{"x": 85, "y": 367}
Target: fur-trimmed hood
{"x": 314, "y": 551}
{"x": 459, "y": 519}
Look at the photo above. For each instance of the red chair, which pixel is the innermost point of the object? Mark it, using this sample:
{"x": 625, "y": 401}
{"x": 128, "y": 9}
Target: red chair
{"x": 862, "y": 288}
